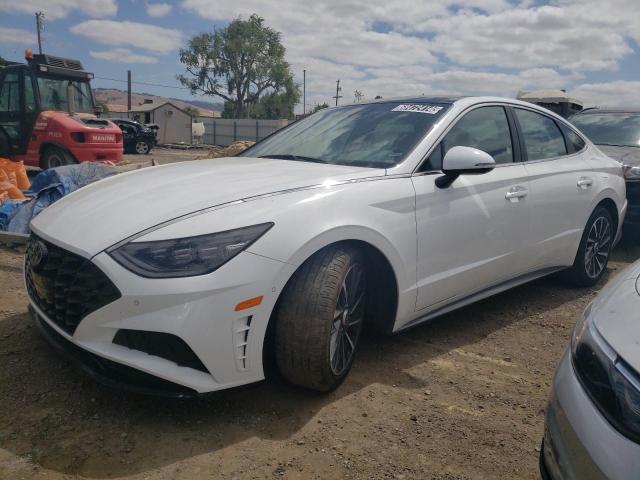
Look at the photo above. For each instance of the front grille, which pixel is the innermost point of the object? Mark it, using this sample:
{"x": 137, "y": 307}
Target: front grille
{"x": 65, "y": 286}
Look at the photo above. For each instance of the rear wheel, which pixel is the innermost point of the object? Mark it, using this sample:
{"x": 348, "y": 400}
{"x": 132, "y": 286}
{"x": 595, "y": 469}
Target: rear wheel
{"x": 320, "y": 318}
{"x": 55, "y": 157}
{"x": 142, "y": 148}
{"x": 594, "y": 250}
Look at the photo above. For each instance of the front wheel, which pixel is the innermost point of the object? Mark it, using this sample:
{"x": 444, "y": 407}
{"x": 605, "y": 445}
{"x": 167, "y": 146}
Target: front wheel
{"x": 320, "y": 317}
{"x": 142, "y": 148}
{"x": 594, "y": 250}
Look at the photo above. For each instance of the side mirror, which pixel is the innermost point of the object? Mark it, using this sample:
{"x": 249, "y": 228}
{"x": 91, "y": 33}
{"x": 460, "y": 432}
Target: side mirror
{"x": 464, "y": 160}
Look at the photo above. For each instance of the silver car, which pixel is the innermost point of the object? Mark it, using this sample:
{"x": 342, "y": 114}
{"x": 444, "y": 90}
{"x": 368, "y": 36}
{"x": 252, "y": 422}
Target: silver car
{"x": 592, "y": 424}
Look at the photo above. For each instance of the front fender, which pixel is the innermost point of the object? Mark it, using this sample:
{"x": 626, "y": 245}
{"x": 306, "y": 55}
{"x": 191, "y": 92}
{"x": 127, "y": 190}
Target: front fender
{"x": 378, "y": 212}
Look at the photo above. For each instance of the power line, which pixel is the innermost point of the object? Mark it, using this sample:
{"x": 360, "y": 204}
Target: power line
{"x": 143, "y": 83}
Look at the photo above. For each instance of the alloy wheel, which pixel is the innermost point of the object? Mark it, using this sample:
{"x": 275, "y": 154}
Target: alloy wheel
{"x": 597, "y": 247}
{"x": 347, "y": 320}
{"x": 142, "y": 148}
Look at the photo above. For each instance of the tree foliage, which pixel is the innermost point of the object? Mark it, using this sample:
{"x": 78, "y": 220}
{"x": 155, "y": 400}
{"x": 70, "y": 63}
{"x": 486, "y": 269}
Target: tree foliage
{"x": 319, "y": 106}
{"x": 193, "y": 112}
{"x": 238, "y": 63}
{"x": 2, "y": 61}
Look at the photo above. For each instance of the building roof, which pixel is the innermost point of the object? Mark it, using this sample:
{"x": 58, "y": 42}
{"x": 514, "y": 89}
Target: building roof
{"x": 548, "y": 96}
{"x": 150, "y": 107}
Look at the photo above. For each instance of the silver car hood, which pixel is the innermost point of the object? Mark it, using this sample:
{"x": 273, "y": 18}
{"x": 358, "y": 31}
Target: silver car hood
{"x": 625, "y": 155}
{"x": 616, "y": 314}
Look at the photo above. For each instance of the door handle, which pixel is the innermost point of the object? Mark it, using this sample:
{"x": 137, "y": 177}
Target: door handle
{"x": 585, "y": 182}
{"x": 514, "y": 194}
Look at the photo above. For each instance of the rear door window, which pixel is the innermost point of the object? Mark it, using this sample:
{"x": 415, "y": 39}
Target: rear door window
{"x": 542, "y": 136}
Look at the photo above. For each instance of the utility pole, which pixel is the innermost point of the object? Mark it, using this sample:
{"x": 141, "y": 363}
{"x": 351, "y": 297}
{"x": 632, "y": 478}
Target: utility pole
{"x": 128, "y": 92}
{"x": 40, "y": 29}
{"x": 338, "y": 89}
{"x": 304, "y": 92}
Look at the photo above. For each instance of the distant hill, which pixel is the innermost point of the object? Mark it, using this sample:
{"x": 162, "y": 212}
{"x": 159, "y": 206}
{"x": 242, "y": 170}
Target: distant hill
{"x": 116, "y": 101}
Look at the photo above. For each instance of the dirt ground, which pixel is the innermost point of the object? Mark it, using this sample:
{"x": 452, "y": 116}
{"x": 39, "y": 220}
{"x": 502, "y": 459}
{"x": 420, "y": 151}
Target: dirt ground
{"x": 460, "y": 398}
{"x": 160, "y": 156}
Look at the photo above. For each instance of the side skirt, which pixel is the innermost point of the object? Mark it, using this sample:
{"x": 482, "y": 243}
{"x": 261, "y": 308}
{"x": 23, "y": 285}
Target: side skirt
{"x": 481, "y": 295}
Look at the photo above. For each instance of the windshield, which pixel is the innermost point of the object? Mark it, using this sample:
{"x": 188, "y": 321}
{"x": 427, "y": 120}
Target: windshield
{"x": 610, "y": 128}
{"x": 53, "y": 94}
{"x": 376, "y": 135}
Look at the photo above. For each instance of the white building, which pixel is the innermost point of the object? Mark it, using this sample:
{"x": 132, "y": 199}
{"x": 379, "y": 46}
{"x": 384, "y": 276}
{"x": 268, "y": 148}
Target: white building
{"x": 173, "y": 122}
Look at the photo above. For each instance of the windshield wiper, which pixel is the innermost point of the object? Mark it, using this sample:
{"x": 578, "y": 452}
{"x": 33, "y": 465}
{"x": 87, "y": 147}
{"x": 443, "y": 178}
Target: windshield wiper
{"x": 299, "y": 158}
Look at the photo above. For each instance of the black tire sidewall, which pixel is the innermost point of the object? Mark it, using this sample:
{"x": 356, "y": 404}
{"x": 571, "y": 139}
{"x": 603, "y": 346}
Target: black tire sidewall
{"x": 578, "y": 272}
{"x": 65, "y": 158}
{"x": 303, "y": 358}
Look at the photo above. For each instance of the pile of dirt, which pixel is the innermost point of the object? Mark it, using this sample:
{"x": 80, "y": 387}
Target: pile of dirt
{"x": 230, "y": 151}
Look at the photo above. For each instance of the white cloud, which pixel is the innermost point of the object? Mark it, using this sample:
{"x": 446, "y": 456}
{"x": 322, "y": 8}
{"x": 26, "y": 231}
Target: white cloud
{"x": 614, "y": 94}
{"x": 55, "y": 9}
{"x": 139, "y": 35}
{"x": 122, "y": 55}
{"x": 158, "y": 9}
{"x": 566, "y": 37}
{"x": 17, "y": 36}
{"x": 408, "y": 47}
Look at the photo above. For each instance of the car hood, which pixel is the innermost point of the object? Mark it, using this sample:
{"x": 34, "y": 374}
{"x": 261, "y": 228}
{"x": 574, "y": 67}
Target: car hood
{"x": 102, "y": 214}
{"x": 625, "y": 155}
{"x": 616, "y": 315}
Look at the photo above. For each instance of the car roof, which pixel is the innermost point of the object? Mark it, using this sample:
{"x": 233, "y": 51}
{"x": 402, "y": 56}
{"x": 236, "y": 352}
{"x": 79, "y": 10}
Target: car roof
{"x": 422, "y": 99}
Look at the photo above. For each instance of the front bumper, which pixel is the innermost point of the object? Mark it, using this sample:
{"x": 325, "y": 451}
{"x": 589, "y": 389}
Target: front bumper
{"x": 198, "y": 310}
{"x": 579, "y": 443}
{"x": 107, "y": 372}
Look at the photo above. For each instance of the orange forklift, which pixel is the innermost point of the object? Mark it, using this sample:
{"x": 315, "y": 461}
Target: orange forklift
{"x": 48, "y": 117}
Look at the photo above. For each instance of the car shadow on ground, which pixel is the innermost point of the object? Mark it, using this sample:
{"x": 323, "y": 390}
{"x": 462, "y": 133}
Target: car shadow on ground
{"x": 57, "y": 418}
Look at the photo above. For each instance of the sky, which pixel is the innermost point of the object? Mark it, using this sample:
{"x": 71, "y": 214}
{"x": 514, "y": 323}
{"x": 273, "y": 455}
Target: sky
{"x": 389, "y": 48}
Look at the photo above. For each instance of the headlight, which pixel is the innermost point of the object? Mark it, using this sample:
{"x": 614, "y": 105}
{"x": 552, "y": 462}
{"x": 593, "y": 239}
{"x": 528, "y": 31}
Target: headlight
{"x": 610, "y": 382}
{"x": 631, "y": 173}
{"x": 186, "y": 257}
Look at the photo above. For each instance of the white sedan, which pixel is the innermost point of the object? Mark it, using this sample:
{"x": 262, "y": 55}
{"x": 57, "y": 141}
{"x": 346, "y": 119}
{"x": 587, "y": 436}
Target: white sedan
{"x": 191, "y": 277}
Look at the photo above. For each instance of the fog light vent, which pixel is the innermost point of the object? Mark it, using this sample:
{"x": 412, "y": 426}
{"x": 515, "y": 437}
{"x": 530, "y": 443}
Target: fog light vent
{"x": 160, "y": 344}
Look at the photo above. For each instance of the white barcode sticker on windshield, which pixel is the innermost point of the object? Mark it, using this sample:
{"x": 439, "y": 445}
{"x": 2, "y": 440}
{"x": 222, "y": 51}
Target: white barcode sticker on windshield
{"x": 418, "y": 108}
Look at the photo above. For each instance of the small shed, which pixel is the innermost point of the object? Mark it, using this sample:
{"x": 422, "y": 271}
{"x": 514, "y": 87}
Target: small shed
{"x": 555, "y": 100}
{"x": 174, "y": 123}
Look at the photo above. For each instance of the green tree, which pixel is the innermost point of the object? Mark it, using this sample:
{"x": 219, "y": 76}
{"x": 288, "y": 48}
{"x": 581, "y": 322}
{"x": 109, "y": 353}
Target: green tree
{"x": 193, "y": 112}
{"x": 276, "y": 105}
{"x": 238, "y": 63}
{"x": 2, "y": 61}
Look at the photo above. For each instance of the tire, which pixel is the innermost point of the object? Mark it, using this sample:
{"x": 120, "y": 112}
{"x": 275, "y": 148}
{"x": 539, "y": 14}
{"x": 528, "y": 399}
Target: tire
{"x": 594, "y": 250}
{"x": 142, "y": 148}
{"x": 4, "y": 145}
{"x": 320, "y": 317}
{"x": 55, "y": 157}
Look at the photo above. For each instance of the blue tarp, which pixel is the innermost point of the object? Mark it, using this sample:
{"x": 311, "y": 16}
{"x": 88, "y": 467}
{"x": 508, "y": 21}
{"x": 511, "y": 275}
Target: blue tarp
{"x": 47, "y": 188}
